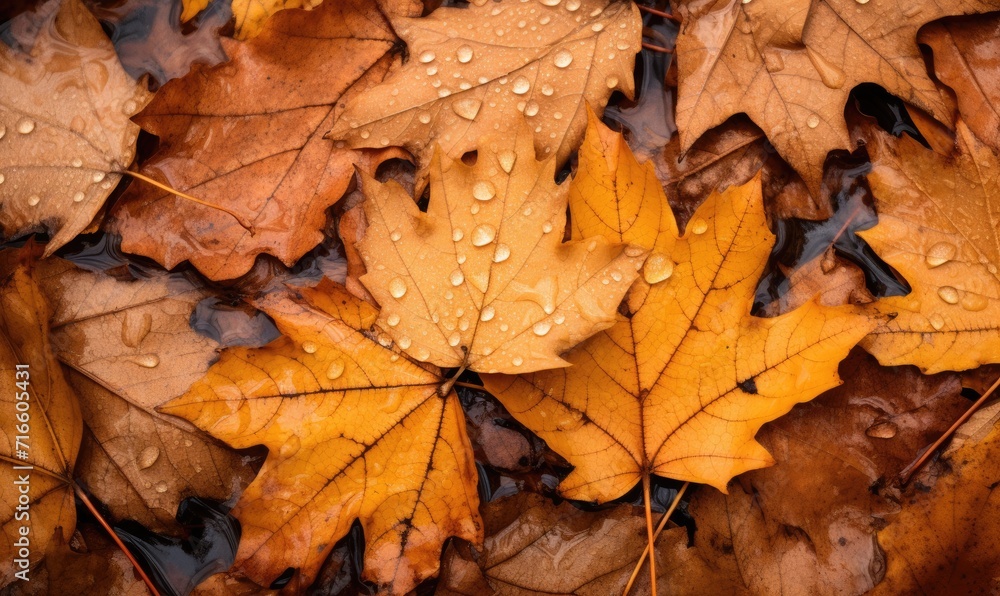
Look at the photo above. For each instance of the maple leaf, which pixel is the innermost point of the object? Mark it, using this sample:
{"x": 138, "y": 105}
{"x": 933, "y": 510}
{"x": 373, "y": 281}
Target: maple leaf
{"x": 271, "y": 164}
{"x": 128, "y": 347}
{"x": 484, "y": 279}
{"x": 944, "y": 541}
{"x": 791, "y": 65}
{"x": 939, "y": 226}
{"x": 965, "y": 53}
{"x": 45, "y": 435}
{"x": 679, "y": 388}
{"x": 251, "y": 15}
{"x": 65, "y": 133}
{"x": 472, "y": 70}
{"x": 354, "y": 431}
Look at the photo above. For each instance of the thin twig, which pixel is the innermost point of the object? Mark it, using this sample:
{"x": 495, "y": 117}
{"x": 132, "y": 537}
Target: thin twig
{"x": 100, "y": 519}
{"x": 650, "y": 46}
{"x": 909, "y": 470}
{"x": 469, "y": 385}
{"x": 656, "y": 534}
{"x": 659, "y": 13}
{"x": 245, "y": 223}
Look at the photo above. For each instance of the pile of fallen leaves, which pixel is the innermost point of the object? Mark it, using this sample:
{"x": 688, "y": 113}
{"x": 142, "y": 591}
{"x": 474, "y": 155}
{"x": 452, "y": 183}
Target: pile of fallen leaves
{"x": 325, "y": 297}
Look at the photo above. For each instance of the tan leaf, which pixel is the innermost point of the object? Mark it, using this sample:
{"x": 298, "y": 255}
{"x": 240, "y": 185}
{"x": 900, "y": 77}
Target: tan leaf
{"x": 484, "y": 278}
{"x": 472, "y": 71}
{"x": 939, "y": 226}
{"x": 64, "y": 123}
{"x": 791, "y": 65}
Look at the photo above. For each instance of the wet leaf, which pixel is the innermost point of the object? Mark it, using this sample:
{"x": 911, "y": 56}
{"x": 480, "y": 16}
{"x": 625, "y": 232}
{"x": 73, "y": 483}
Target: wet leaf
{"x": 681, "y": 387}
{"x": 247, "y": 135}
{"x": 251, "y": 15}
{"x": 52, "y": 439}
{"x": 791, "y": 65}
{"x": 354, "y": 431}
{"x": 808, "y": 524}
{"x": 535, "y": 547}
{"x": 965, "y": 59}
{"x": 64, "y": 122}
{"x": 472, "y": 71}
{"x": 938, "y": 226}
{"x": 484, "y": 279}
{"x": 944, "y": 540}
{"x": 128, "y": 348}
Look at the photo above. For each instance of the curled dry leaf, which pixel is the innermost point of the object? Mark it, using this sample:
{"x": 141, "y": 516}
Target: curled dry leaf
{"x": 965, "y": 59}
{"x": 39, "y": 498}
{"x": 65, "y": 132}
{"x": 128, "y": 348}
{"x": 946, "y": 540}
{"x": 247, "y": 135}
{"x": 354, "y": 431}
{"x": 472, "y": 71}
{"x": 939, "y": 226}
{"x": 681, "y": 386}
{"x": 484, "y": 278}
{"x": 791, "y": 65}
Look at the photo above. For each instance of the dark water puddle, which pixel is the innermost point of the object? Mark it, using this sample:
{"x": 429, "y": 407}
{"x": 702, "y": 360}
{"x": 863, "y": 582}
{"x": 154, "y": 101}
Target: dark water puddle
{"x": 178, "y": 565}
{"x": 341, "y": 573}
{"x": 150, "y": 39}
{"x": 648, "y": 121}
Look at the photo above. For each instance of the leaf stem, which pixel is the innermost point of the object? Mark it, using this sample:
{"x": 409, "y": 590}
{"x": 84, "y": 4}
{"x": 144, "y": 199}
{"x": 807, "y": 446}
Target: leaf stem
{"x": 656, "y": 534}
{"x": 118, "y": 541}
{"x": 909, "y": 470}
{"x": 245, "y": 223}
{"x": 469, "y": 385}
{"x": 658, "y": 13}
{"x": 446, "y": 387}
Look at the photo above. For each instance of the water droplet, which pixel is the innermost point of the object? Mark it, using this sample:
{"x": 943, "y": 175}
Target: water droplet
{"x": 365, "y": 134}
{"x": 25, "y": 125}
{"x": 465, "y": 54}
{"x": 699, "y": 226}
{"x": 427, "y": 56}
{"x": 467, "y": 108}
{"x": 161, "y": 487}
{"x": 657, "y": 268}
{"x": 546, "y": 227}
{"x": 395, "y": 235}
{"x": 397, "y": 287}
{"x": 596, "y": 27}
{"x": 3, "y": 130}
{"x": 547, "y": 89}
{"x": 147, "y": 360}
{"x": 454, "y": 339}
{"x": 444, "y": 92}
{"x": 474, "y": 209}
{"x": 148, "y": 457}
{"x": 940, "y": 253}
{"x": 135, "y": 328}
{"x": 1, "y": 178}
{"x": 483, "y": 190}
{"x": 457, "y": 234}
{"x": 616, "y": 276}
{"x": 290, "y": 447}
{"x": 423, "y": 354}
{"x": 882, "y": 430}
{"x": 507, "y": 160}
{"x": 432, "y": 70}
{"x": 309, "y": 347}
{"x": 34, "y": 200}
{"x": 521, "y": 85}
{"x": 541, "y": 328}
{"x": 531, "y": 108}
{"x": 392, "y": 320}
{"x": 831, "y": 74}
{"x": 573, "y": 5}
{"x": 517, "y": 361}
{"x": 563, "y": 58}
{"x": 936, "y": 321}
{"x": 812, "y": 121}
{"x": 502, "y": 253}
{"x": 633, "y": 250}
{"x": 424, "y": 118}
{"x": 551, "y": 2}
{"x": 948, "y": 294}
{"x": 974, "y": 302}
{"x": 456, "y": 278}
{"x": 487, "y": 314}
{"x": 79, "y": 197}
{"x": 97, "y": 177}
{"x": 336, "y": 369}
{"x": 403, "y": 343}
{"x": 483, "y": 235}
{"x": 611, "y": 82}
{"x": 861, "y": 1}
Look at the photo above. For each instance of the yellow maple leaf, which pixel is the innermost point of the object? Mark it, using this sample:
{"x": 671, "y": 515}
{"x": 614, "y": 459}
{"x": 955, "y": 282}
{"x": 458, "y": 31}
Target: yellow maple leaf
{"x": 484, "y": 279}
{"x": 790, "y": 66}
{"x": 354, "y": 431}
{"x": 939, "y": 226}
{"x": 681, "y": 386}
{"x": 473, "y": 69}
